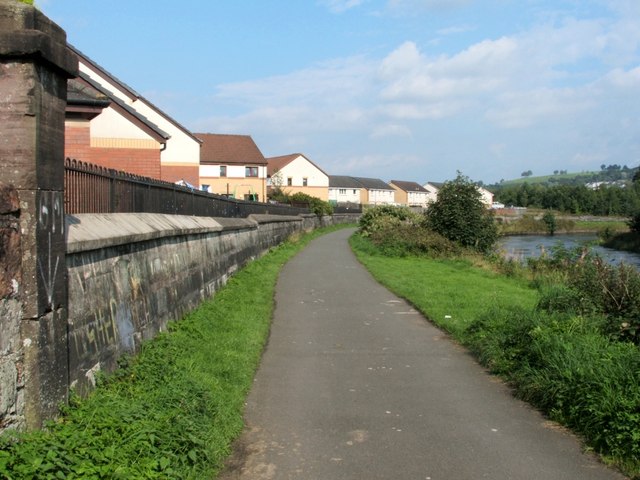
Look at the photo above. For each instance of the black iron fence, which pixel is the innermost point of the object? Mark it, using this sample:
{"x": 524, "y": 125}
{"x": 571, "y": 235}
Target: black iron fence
{"x": 93, "y": 189}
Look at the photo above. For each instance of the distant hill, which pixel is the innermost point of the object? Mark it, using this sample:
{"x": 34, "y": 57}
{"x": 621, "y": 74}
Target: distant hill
{"x": 612, "y": 173}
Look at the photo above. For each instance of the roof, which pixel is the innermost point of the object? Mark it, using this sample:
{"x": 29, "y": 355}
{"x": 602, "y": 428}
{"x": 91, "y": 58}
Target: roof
{"x": 373, "y": 183}
{"x": 132, "y": 94}
{"x": 84, "y": 101}
{"x": 79, "y": 93}
{"x": 140, "y": 120}
{"x": 436, "y": 185}
{"x": 229, "y": 149}
{"x": 278, "y": 163}
{"x": 339, "y": 181}
{"x": 408, "y": 186}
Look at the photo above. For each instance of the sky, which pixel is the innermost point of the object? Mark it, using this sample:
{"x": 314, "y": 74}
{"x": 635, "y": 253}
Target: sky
{"x": 413, "y": 90}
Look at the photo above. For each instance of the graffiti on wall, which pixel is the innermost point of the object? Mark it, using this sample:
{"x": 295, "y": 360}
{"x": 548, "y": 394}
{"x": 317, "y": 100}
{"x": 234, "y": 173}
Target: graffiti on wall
{"x": 51, "y": 249}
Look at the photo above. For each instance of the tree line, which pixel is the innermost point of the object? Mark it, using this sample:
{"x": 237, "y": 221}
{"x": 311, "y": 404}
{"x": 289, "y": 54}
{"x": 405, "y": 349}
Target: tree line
{"x": 574, "y": 199}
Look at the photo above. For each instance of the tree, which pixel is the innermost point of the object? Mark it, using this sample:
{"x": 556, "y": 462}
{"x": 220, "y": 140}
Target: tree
{"x": 549, "y": 220}
{"x": 460, "y": 216}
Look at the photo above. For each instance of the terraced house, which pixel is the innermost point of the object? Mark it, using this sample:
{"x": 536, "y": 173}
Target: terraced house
{"x": 232, "y": 165}
{"x": 411, "y": 194}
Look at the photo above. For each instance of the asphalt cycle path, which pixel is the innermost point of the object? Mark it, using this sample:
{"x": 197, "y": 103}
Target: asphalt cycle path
{"x": 355, "y": 384}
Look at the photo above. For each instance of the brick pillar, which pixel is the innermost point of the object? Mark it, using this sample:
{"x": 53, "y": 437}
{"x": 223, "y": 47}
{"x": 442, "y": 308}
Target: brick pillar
{"x": 34, "y": 67}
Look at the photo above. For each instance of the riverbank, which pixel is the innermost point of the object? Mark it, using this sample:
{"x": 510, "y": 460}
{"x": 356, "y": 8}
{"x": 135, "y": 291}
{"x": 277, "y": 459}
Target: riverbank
{"x": 533, "y": 223}
{"x": 626, "y": 241}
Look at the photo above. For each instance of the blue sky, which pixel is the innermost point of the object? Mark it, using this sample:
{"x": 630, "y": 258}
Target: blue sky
{"x": 394, "y": 89}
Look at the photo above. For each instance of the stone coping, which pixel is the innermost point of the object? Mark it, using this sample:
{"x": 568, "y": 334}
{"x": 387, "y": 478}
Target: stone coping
{"x": 92, "y": 231}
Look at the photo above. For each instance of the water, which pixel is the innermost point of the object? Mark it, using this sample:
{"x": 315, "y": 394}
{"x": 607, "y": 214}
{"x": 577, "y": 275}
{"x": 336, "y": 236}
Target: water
{"x": 525, "y": 246}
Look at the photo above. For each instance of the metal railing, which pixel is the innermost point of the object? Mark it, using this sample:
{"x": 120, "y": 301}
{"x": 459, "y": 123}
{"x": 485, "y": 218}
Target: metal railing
{"x": 90, "y": 188}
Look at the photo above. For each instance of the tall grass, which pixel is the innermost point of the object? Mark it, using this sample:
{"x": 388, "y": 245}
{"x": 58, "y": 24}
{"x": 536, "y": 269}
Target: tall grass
{"x": 174, "y": 410}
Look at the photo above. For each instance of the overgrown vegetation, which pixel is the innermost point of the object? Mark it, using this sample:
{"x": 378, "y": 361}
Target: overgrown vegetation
{"x": 457, "y": 221}
{"x": 575, "y": 199}
{"x": 563, "y": 330}
{"x": 173, "y": 411}
{"x": 317, "y": 206}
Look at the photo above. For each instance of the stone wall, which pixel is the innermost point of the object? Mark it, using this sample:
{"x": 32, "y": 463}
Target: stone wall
{"x": 34, "y": 67}
{"x": 11, "y": 363}
{"x": 130, "y": 274}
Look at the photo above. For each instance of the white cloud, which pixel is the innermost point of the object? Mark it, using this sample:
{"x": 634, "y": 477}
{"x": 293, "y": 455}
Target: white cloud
{"x": 525, "y": 108}
{"x": 625, "y": 79}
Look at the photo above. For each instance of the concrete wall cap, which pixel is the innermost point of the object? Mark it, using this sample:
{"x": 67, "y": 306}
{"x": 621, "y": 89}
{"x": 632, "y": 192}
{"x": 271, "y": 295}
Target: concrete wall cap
{"x": 265, "y": 218}
{"x": 93, "y": 231}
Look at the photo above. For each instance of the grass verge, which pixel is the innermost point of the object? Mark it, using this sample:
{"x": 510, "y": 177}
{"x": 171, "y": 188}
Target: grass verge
{"x": 451, "y": 292}
{"x": 174, "y": 410}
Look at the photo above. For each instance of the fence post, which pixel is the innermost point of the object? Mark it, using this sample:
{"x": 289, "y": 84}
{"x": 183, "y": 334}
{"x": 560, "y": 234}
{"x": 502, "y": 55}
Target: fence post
{"x": 35, "y": 64}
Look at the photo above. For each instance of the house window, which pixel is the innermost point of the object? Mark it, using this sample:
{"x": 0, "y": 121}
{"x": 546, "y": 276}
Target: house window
{"x": 354, "y": 191}
{"x": 342, "y": 191}
{"x": 289, "y": 181}
{"x": 223, "y": 170}
{"x": 250, "y": 171}
{"x": 305, "y": 182}
{"x": 205, "y": 187}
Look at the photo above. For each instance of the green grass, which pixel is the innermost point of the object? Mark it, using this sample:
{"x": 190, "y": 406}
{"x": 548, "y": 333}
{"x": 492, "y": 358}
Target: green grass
{"x": 452, "y": 293}
{"x": 174, "y": 410}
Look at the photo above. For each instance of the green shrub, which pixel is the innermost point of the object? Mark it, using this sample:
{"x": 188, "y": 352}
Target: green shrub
{"x": 317, "y": 206}
{"x": 613, "y": 291}
{"x": 379, "y": 217}
{"x": 459, "y": 215}
{"x": 397, "y": 239}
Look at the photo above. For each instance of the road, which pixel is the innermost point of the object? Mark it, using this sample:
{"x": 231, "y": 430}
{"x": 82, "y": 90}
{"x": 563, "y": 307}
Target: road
{"x": 355, "y": 384}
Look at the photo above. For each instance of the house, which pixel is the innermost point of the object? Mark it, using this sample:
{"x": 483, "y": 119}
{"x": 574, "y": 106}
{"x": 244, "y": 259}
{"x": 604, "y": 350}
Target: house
{"x": 486, "y": 197}
{"x": 180, "y": 152}
{"x": 432, "y": 190}
{"x": 376, "y": 192}
{"x": 232, "y": 165}
{"x": 362, "y": 190}
{"x": 296, "y": 173}
{"x": 410, "y": 193}
{"x": 95, "y": 118}
{"x": 344, "y": 190}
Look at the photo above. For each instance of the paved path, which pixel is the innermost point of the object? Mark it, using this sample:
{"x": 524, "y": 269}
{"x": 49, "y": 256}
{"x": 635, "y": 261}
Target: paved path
{"x": 355, "y": 384}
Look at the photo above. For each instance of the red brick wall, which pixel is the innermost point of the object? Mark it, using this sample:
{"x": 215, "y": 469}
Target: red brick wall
{"x": 173, "y": 173}
{"x": 77, "y": 143}
{"x": 139, "y": 161}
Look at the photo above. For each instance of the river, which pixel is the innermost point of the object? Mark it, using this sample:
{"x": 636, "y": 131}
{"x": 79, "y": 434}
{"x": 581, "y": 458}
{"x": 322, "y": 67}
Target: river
{"x": 524, "y": 246}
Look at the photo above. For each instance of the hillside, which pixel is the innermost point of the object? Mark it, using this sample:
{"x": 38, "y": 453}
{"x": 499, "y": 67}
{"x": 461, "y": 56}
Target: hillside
{"x": 612, "y": 173}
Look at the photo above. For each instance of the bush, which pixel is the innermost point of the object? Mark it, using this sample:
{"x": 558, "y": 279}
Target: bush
{"x": 317, "y": 206}
{"x": 613, "y": 291}
{"x": 459, "y": 215}
{"x": 396, "y": 239}
{"x": 379, "y": 217}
